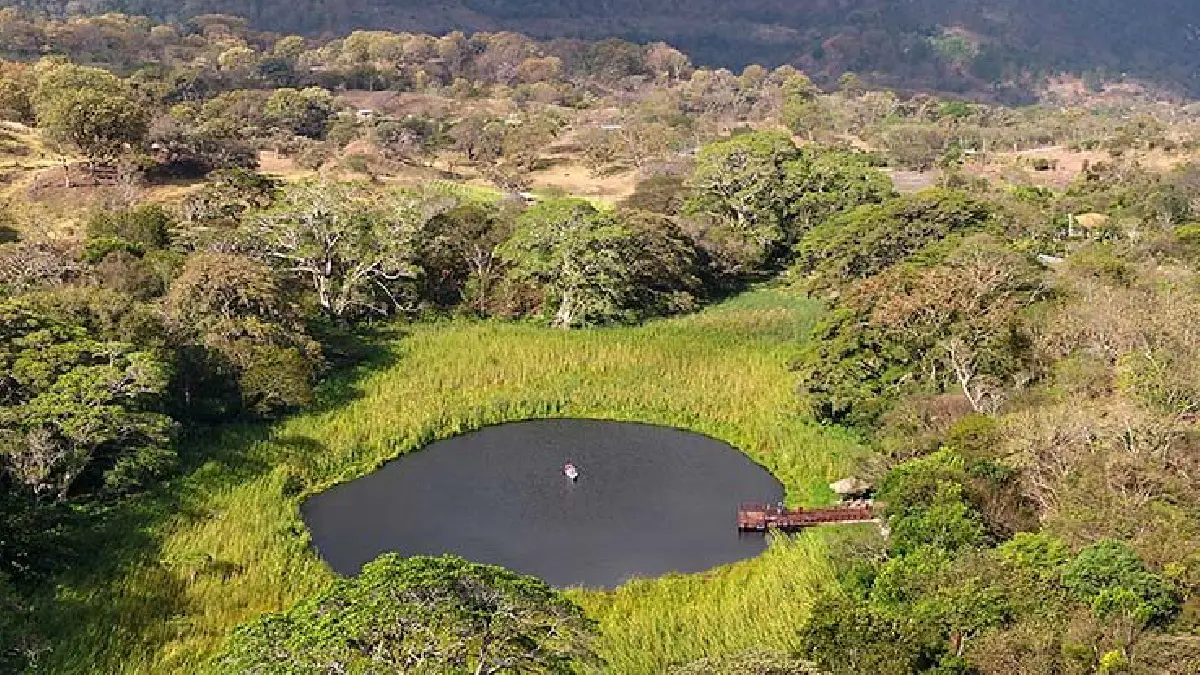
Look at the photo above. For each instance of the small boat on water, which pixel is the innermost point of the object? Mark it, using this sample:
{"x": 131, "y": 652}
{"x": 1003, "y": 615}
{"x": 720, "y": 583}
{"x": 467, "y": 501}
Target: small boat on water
{"x": 570, "y": 471}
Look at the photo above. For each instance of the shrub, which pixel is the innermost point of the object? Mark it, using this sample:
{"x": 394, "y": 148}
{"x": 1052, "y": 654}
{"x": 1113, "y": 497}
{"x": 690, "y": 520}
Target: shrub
{"x": 99, "y": 249}
{"x": 1101, "y": 261}
{"x": 147, "y": 226}
{"x": 844, "y": 637}
{"x": 1111, "y": 578}
{"x": 926, "y": 505}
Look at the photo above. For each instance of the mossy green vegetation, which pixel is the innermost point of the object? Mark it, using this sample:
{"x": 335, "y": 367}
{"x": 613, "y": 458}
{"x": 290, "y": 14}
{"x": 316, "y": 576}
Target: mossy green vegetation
{"x": 649, "y": 624}
{"x": 177, "y": 569}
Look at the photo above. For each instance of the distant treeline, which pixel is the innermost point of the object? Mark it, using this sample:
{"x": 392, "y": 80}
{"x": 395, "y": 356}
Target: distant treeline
{"x": 960, "y": 46}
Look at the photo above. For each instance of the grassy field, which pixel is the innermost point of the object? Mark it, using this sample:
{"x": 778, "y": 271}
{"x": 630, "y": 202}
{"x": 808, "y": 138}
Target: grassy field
{"x": 174, "y": 572}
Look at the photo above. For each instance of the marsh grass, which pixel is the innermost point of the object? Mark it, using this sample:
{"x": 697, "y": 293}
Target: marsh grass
{"x": 174, "y": 571}
{"x": 650, "y": 624}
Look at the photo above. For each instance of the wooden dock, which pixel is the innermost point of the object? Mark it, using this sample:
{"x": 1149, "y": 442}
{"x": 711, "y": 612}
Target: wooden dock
{"x": 759, "y": 517}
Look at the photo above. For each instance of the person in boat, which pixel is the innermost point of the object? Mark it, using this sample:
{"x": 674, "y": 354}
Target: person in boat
{"x": 570, "y": 471}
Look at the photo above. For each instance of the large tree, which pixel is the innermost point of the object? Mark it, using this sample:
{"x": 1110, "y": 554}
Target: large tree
{"x": 236, "y": 320}
{"x": 739, "y": 190}
{"x": 304, "y": 112}
{"x": 580, "y": 257}
{"x": 803, "y": 111}
{"x": 77, "y": 413}
{"x": 958, "y": 321}
{"x": 419, "y": 615}
{"x": 862, "y": 242}
{"x": 90, "y": 110}
{"x": 357, "y": 249}
{"x": 460, "y": 253}
{"x": 931, "y": 329}
{"x": 211, "y": 215}
{"x": 822, "y": 184}
{"x": 758, "y": 194}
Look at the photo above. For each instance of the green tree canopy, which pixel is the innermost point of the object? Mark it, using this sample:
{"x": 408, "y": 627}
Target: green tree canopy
{"x": 304, "y": 112}
{"x": 823, "y": 184}
{"x": 355, "y": 248}
{"x": 869, "y": 239}
{"x": 739, "y": 188}
{"x": 418, "y": 615}
{"x": 664, "y": 265}
{"x": 90, "y": 110}
{"x": 803, "y": 111}
{"x": 926, "y": 505}
{"x": 77, "y": 414}
{"x": 460, "y": 253}
{"x": 147, "y": 226}
{"x": 759, "y": 194}
{"x": 578, "y": 255}
{"x": 1111, "y": 578}
{"x": 843, "y": 636}
{"x": 212, "y": 214}
{"x": 237, "y": 321}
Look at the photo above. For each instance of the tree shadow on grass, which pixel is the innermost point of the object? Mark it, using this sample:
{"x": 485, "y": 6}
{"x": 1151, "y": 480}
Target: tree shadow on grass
{"x": 121, "y": 596}
{"x": 354, "y": 357}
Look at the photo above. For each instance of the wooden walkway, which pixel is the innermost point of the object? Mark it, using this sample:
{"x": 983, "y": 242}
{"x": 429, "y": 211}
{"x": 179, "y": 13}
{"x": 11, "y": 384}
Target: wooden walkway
{"x": 759, "y": 517}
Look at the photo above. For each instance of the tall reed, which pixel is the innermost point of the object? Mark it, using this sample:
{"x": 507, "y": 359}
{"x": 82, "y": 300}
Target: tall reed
{"x": 175, "y": 570}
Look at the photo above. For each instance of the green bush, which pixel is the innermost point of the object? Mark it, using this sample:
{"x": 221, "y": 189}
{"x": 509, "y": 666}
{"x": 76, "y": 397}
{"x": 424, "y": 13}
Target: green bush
{"x": 97, "y": 250}
{"x": 1111, "y": 578}
{"x": 844, "y": 637}
{"x": 1042, "y": 554}
{"x": 147, "y": 226}
{"x": 974, "y": 436}
{"x": 927, "y": 506}
{"x": 1103, "y": 262}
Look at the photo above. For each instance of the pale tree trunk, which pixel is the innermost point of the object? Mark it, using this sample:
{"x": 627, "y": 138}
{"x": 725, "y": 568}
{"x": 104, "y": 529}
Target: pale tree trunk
{"x": 321, "y": 286}
{"x": 485, "y": 288}
{"x": 565, "y": 315}
{"x": 962, "y": 363}
{"x": 481, "y": 262}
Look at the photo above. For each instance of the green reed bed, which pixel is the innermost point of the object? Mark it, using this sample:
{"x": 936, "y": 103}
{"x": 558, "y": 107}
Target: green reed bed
{"x": 225, "y": 542}
{"x": 649, "y": 624}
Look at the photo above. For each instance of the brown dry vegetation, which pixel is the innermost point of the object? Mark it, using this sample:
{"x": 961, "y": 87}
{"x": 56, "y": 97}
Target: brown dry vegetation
{"x": 564, "y": 170}
{"x": 1065, "y": 164}
{"x": 400, "y": 104}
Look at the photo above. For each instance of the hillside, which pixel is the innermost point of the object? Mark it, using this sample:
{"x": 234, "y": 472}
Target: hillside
{"x": 963, "y": 46}
{"x": 241, "y": 269}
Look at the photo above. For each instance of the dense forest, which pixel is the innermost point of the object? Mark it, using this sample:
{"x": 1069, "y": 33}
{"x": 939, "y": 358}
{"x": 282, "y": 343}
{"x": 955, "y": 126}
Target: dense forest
{"x": 956, "y": 46}
{"x": 238, "y": 268}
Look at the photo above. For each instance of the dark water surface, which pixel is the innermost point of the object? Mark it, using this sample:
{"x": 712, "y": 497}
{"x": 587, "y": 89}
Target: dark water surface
{"x": 650, "y": 500}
